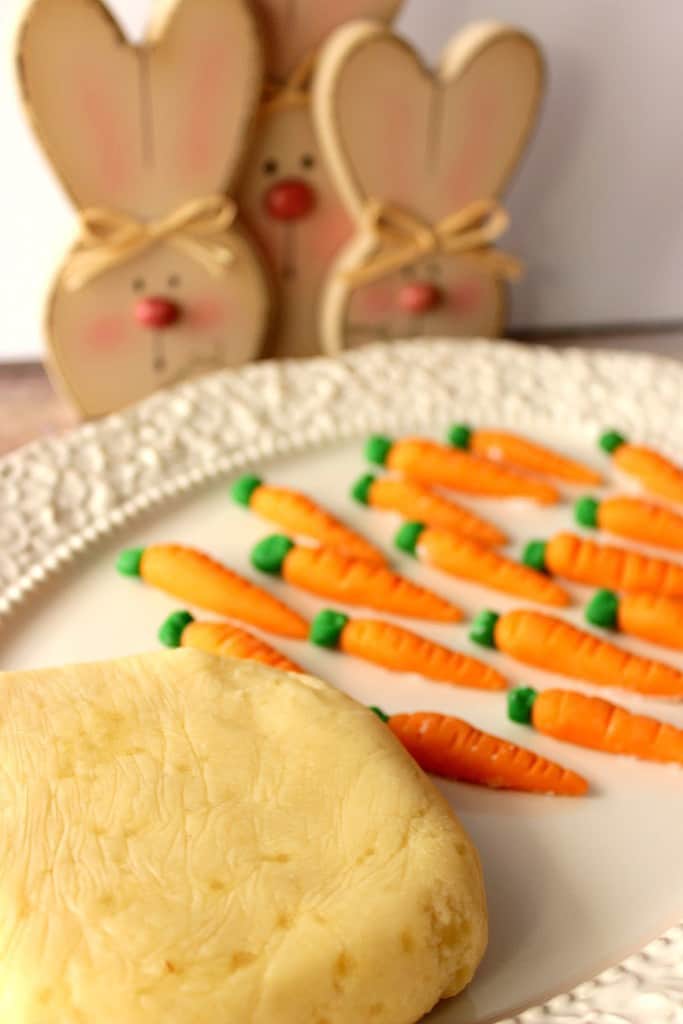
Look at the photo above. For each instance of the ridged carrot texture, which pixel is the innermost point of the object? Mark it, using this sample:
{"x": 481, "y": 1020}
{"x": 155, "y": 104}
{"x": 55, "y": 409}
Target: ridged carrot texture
{"x": 453, "y": 749}
{"x": 355, "y": 581}
{"x": 469, "y": 560}
{"x": 632, "y": 518}
{"x": 196, "y": 578}
{"x": 514, "y": 450}
{"x": 300, "y": 515}
{"x": 657, "y": 474}
{"x": 597, "y": 724}
{"x": 400, "y": 650}
{"x": 182, "y": 630}
{"x": 552, "y": 644}
{"x": 431, "y": 463}
{"x": 416, "y": 501}
{"x": 653, "y": 618}
{"x": 604, "y": 565}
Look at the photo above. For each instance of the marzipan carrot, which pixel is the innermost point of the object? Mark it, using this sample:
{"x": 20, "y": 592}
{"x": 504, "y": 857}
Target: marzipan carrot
{"x": 300, "y": 515}
{"x": 517, "y": 451}
{"x": 632, "y": 518}
{"x": 401, "y": 651}
{"x": 648, "y": 616}
{"x": 198, "y": 579}
{"x": 549, "y": 643}
{"x": 656, "y": 473}
{"x": 604, "y": 565}
{"x": 447, "y": 746}
{"x": 416, "y": 501}
{"x": 469, "y": 560}
{"x": 596, "y": 723}
{"x": 355, "y": 581}
{"x": 182, "y": 630}
{"x": 431, "y": 463}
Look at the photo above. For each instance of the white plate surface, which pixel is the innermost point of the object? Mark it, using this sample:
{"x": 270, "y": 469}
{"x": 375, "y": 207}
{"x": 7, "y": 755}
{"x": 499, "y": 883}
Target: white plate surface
{"x": 574, "y": 886}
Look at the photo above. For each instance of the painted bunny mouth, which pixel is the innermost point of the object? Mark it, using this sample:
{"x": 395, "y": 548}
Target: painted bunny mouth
{"x": 289, "y": 267}
{"x": 199, "y": 362}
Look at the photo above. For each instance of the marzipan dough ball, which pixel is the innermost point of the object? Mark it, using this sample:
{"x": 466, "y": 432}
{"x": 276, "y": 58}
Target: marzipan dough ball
{"x": 192, "y": 840}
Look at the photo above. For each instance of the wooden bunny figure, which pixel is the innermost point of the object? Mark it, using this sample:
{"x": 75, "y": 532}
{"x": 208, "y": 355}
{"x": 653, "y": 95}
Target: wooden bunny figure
{"x": 420, "y": 160}
{"x": 162, "y": 283}
{"x": 286, "y": 195}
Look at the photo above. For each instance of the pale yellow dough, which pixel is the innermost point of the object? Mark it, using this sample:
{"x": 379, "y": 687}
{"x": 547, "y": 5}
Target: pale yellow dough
{"x": 191, "y": 840}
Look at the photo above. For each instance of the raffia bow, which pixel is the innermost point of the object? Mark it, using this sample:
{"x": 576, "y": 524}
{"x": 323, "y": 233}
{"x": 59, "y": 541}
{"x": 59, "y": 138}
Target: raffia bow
{"x": 405, "y": 238}
{"x": 294, "y": 92}
{"x": 200, "y": 228}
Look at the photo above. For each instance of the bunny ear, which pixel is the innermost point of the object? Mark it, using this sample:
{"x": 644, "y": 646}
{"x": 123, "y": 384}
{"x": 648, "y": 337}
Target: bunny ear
{"x": 204, "y": 78}
{"x": 295, "y": 29}
{"x": 79, "y": 81}
{"x": 492, "y": 77}
{"x": 373, "y": 103}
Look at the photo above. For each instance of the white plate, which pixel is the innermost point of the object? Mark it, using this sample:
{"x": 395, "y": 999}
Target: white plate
{"x": 574, "y": 886}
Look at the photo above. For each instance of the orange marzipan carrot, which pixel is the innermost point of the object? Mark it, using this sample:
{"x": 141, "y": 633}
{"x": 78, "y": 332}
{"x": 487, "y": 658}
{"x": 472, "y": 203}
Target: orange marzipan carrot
{"x": 597, "y": 724}
{"x": 413, "y": 500}
{"x": 655, "y": 472}
{"x": 518, "y": 451}
{"x": 447, "y": 746}
{"x": 355, "y": 581}
{"x": 606, "y": 565}
{"x": 648, "y": 616}
{"x": 194, "y": 577}
{"x": 634, "y": 518}
{"x": 300, "y": 515}
{"x": 469, "y": 560}
{"x": 181, "y": 630}
{"x": 431, "y": 463}
{"x": 383, "y": 643}
{"x": 552, "y": 644}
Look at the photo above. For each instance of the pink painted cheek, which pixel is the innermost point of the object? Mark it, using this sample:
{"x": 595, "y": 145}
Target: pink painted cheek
{"x": 374, "y": 302}
{"x": 327, "y": 233}
{"x": 107, "y": 332}
{"x": 207, "y": 313}
{"x": 466, "y": 297}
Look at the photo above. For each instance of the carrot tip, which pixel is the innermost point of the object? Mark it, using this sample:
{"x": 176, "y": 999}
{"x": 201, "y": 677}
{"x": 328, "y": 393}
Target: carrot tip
{"x": 382, "y": 715}
{"x": 521, "y": 704}
{"x": 484, "y": 628}
{"x": 128, "y": 562}
{"x": 327, "y": 627}
{"x": 360, "y": 491}
{"x": 586, "y": 512}
{"x": 269, "y": 554}
{"x": 243, "y": 488}
{"x": 611, "y": 440}
{"x": 460, "y": 436}
{"x": 377, "y": 449}
{"x": 603, "y": 609}
{"x": 534, "y": 555}
{"x": 408, "y": 536}
{"x": 171, "y": 631}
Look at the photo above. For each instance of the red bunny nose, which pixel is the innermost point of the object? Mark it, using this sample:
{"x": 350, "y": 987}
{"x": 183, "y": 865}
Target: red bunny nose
{"x": 155, "y": 311}
{"x": 419, "y": 297}
{"x": 290, "y": 200}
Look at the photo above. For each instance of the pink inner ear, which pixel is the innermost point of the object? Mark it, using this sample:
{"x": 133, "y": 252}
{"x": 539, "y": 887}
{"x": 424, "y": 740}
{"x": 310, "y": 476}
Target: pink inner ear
{"x": 464, "y": 177}
{"x": 104, "y": 136}
{"x": 107, "y": 331}
{"x": 206, "y": 95}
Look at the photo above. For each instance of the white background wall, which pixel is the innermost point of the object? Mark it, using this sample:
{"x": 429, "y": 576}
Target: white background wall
{"x": 597, "y": 208}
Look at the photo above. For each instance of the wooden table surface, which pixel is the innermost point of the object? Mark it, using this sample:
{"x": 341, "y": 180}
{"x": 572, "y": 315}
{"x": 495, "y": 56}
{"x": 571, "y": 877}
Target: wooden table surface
{"x": 30, "y": 408}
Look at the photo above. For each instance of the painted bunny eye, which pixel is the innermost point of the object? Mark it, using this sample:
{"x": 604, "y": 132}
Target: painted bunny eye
{"x": 433, "y": 269}
{"x": 139, "y": 284}
{"x": 174, "y": 281}
{"x": 308, "y": 161}
{"x": 271, "y": 167}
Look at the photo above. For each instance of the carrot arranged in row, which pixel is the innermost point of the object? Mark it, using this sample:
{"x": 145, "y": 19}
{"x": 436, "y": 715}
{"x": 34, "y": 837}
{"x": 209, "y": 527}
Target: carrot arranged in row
{"x": 182, "y": 630}
{"x": 604, "y": 565}
{"x": 632, "y": 518}
{"x": 413, "y": 500}
{"x": 431, "y": 463}
{"x": 300, "y": 515}
{"x": 656, "y": 473}
{"x": 648, "y": 616}
{"x": 355, "y": 581}
{"x": 454, "y": 749}
{"x": 552, "y": 644}
{"x": 518, "y": 451}
{"x": 597, "y": 724}
{"x": 390, "y": 646}
{"x": 469, "y": 560}
{"x": 196, "y": 578}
